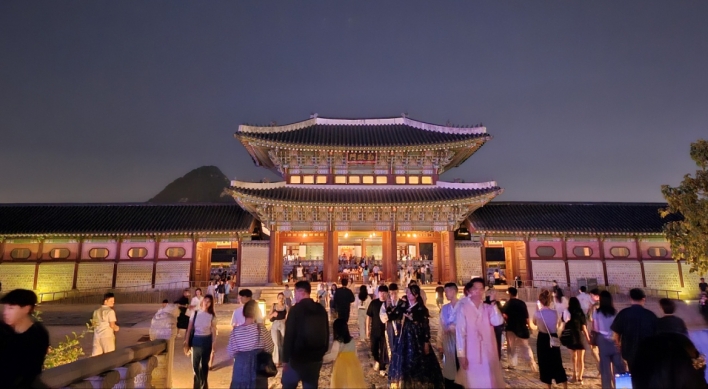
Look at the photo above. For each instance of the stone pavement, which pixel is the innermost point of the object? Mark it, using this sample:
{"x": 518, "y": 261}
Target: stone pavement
{"x": 135, "y": 322}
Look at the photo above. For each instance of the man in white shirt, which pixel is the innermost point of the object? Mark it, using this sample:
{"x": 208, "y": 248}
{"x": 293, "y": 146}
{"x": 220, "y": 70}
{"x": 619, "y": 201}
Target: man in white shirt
{"x": 104, "y": 326}
{"x": 238, "y": 319}
{"x": 585, "y": 299}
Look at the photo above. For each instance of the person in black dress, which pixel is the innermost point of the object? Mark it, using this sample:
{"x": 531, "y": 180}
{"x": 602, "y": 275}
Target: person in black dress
{"x": 183, "y": 318}
{"x": 413, "y": 361}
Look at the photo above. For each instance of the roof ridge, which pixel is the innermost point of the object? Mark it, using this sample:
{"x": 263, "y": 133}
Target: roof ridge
{"x": 401, "y": 120}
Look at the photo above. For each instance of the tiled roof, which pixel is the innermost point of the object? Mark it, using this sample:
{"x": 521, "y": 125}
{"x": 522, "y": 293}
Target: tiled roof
{"x": 24, "y": 219}
{"x": 573, "y": 218}
{"x": 363, "y": 194}
{"x": 362, "y": 133}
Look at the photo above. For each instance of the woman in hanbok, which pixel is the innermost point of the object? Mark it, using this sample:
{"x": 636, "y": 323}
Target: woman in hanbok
{"x": 475, "y": 339}
{"x": 347, "y": 371}
{"x": 413, "y": 361}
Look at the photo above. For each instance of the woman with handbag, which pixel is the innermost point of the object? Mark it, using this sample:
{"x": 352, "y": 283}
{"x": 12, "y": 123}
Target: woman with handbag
{"x": 277, "y": 331}
{"x": 550, "y": 364}
{"x": 347, "y": 371}
{"x": 201, "y": 339}
{"x": 576, "y": 331}
{"x": 611, "y": 362}
{"x": 251, "y": 347}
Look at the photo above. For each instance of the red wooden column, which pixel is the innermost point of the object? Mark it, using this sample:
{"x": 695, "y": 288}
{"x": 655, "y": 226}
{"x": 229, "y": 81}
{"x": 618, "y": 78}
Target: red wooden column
{"x": 389, "y": 245}
{"x": 274, "y": 257}
{"x": 330, "y": 265}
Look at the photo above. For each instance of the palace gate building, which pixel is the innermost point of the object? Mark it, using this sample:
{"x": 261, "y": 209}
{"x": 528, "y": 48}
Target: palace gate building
{"x": 366, "y": 187}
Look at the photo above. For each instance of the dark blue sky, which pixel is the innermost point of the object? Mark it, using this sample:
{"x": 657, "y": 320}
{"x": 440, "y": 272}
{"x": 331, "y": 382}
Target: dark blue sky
{"x": 111, "y": 101}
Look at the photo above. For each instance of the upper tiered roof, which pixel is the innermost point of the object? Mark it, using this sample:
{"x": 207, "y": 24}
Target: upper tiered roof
{"x": 361, "y": 133}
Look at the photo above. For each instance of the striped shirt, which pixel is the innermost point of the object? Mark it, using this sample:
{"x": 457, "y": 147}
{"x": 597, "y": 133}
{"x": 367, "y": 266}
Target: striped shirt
{"x": 249, "y": 337}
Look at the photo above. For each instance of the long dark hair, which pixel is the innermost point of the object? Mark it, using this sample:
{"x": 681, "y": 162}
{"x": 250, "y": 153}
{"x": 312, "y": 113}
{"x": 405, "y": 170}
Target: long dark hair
{"x": 340, "y": 331}
{"x": 574, "y": 307}
{"x": 415, "y": 291}
{"x": 363, "y": 293}
{"x": 606, "y": 307}
{"x": 668, "y": 361}
{"x": 559, "y": 294}
{"x": 210, "y": 310}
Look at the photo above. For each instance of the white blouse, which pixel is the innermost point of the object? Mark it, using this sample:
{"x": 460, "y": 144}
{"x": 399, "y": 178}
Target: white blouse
{"x": 203, "y": 324}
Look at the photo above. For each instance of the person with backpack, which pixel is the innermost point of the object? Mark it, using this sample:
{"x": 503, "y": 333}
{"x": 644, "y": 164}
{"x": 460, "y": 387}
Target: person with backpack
{"x": 575, "y": 336}
{"x": 306, "y": 340}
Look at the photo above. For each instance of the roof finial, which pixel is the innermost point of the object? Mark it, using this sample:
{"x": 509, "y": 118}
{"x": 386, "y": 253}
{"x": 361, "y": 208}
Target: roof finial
{"x": 404, "y": 114}
{"x": 313, "y": 115}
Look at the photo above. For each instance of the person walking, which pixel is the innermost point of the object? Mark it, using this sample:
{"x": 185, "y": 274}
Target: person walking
{"x": 669, "y": 322}
{"x": 362, "y": 305}
{"x": 517, "y": 329}
{"x": 391, "y": 314}
{"x": 446, "y": 337}
{"x": 306, "y": 340}
{"x": 202, "y": 331}
{"x": 278, "y": 314}
{"x": 347, "y": 371}
{"x": 476, "y": 341}
{"x": 183, "y": 318}
{"x": 238, "y": 318}
{"x": 23, "y": 340}
{"x": 343, "y": 299}
{"x": 632, "y": 325}
{"x": 439, "y": 294}
{"x": 550, "y": 364}
{"x": 245, "y": 343}
{"x": 413, "y": 361}
{"x": 376, "y": 330}
{"x": 196, "y": 301}
{"x": 322, "y": 295}
{"x": 576, "y": 321}
{"x": 104, "y": 326}
{"x": 610, "y": 357}
{"x": 288, "y": 296}
{"x": 330, "y": 298}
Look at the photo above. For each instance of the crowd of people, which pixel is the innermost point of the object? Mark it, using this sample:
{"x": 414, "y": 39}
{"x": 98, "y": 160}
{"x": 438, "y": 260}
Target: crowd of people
{"x": 394, "y": 322}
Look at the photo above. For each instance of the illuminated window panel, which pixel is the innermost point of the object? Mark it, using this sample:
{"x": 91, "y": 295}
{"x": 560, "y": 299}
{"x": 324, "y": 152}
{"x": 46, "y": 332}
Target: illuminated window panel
{"x": 308, "y": 179}
{"x": 427, "y": 180}
{"x": 400, "y": 179}
{"x": 413, "y": 180}
{"x": 321, "y": 179}
{"x": 294, "y": 179}
{"x": 340, "y": 179}
{"x": 381, "y": 180}
{"x": 354, "y": 180}
{"x": 368, "y": 179}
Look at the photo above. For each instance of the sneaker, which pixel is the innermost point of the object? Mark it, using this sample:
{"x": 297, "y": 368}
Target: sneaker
{"x": 382, "y": 373}
{"x": 376, "y": 366}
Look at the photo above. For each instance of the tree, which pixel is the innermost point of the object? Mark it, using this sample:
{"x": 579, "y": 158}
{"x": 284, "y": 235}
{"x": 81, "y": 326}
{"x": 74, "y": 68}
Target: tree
{"x": 688, "y": 233}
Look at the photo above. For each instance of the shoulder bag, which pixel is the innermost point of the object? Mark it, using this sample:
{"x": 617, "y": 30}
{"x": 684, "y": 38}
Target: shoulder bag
{"x": 554, "y": 342}
{"x": 190, "y": 339}
{"x": 265, "y": 367}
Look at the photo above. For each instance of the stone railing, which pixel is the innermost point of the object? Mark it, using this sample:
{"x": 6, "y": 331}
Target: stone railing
{"x": 144, "y": 365}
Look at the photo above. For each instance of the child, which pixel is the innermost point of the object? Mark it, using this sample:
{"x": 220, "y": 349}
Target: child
{"x": 347, "y": 371}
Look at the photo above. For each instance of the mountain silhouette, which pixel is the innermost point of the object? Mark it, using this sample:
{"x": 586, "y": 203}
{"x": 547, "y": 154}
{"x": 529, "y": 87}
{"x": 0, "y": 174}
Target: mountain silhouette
{"x": 202, "y": 185}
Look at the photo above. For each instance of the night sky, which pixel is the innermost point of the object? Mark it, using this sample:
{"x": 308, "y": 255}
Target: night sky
{"x": 587, "y": 101}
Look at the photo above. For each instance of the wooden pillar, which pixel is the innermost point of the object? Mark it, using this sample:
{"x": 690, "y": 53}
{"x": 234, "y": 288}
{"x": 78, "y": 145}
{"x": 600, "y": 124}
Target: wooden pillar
{"x": 239, "y": 253}
{"x": 641, "y": 262}
{"x": 274, "y": 257}
{"x": 452, "y": 260}
{"x": 388, "y": 240}
{"x": 438, "y": 268}
{"x": 529, "y": 264}
{"x": 564, "y": 250}
{"x": 155, "y": 257}
{"x": 2, "y": 248}
{"x": 330, "y": 265}
{"x": 193, "y": 263}
{"x": 76, "y": 264}
{"x": 602, "y": 258}
{"x": 115, "y": 264}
